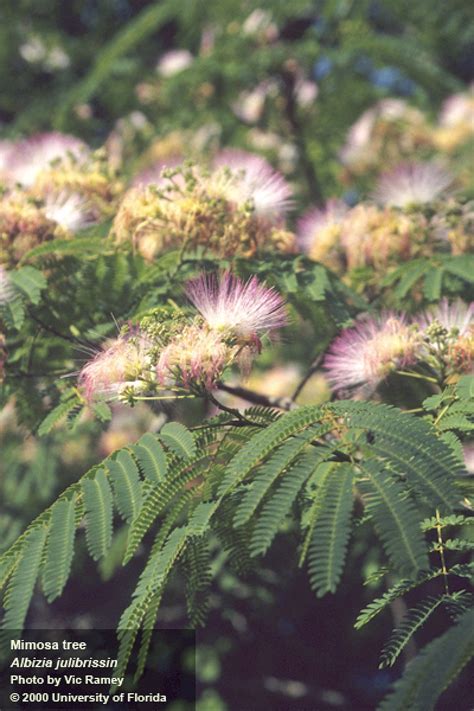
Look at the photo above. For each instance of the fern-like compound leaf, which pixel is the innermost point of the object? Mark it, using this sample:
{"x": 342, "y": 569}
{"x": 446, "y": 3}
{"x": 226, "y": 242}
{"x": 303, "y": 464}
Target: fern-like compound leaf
{"x": 150, "y": 585}
{"x": 179, "y": 439}
{"x": 396, "y": 519}
{"x": 267, "y": 474}
{"x": 22, "y": 584}
{"x": 60, "y": 548}
{"x": 156, "y": 499}
{"x": 197, "y": 570}
{"x": 328, "y": 546}
{"x": 410, "y": 447}
{"x": 98, "y": 504}
{"x": 126, "y": 484}
{"x": 264, "y": 442}
{"x": 279, "y": 504}
{"x": 57, "y": 414}
{"x": 434, "y": 668}
{"x": 30, "y": 281}
{"x": 403, "y": 586}
{"x": 151, "y": 458}
{"x": 412, "y": 621}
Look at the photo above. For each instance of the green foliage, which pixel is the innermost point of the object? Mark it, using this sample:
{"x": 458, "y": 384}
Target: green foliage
{"x": 395, "y": 518}
{"x": 126, "y": 484}
{"x": 294, "y": 465}
{"x": 22, "y": 583}
{"x": 60, "y": 548}
{"x": 99, "y": 513}
{"x": 330, "y": 535}
{"x": 413, "y": 620}
{"x": 434, "y": 668}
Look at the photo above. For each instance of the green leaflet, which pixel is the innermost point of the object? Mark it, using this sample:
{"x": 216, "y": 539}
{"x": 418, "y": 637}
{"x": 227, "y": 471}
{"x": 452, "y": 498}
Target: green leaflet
{"x": 22, "y": 583}
{"x": 265, "y": 441}
{"x": 412, "y": 621}
{"x": 126, "y": 484}
{"x": 198, "y": 576}
{"x": 155, "y": 500}
{"x": 60, "y": 548}
{"x": 150, "y": 585}
{"x": 29, "y": 281}
{"x": 396, "y": 519}
{"x": 434, "y": 668}
{"x": 99, "y": 514}
{"x": 330, "y": 536}
{"x": 267, "y": 474}
{"x": 279, "y": 503}
{"x": 56, "y": 414}
{"x": 179, "y": 439}
{"x": 151, "y": 458}
{"x": 397, "y": 590}
{"x": 411, "y": 447}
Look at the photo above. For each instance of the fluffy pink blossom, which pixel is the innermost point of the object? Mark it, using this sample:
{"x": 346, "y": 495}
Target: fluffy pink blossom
{"x": 250, "y": 105}
{"x": 318, "y": 225}
{"x": 34, "y": 154}
{"x": 455, "y": 315}
{"x": 70, "y": 210}
{"x": 252, "y": 178}
{"x": 458, "y": 109}
{"x": 174, "y": 62}
{"x": 6, "y": 148}
{"x": 115, "y": 368}
{"x": 196, "y": 357}
{"x": 412, "y": 184}
{"x": 153, "y": 175}
{"x": 370, "y": 350}
{"x": 456, "y": 346}
{"x": 230, "y": 304}
{"x": 361, "y": 133}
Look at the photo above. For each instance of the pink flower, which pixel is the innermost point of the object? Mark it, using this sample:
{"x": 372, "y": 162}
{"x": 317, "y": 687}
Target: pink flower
{"x": 36, "y": 153}
{"x": 252, "y": 178}
{"x": 412, "y": 184}
{"x": 456, "y": 315}
{"x": 454, "y": 346}
{"x": 370, "y": 350}
{"x": 458, "y": 109}
{"x": 196, "y": 357}
{"x": 320, "y": 228}
{"x": 250, "y": 105}
{"x": 117, "y": 367}
{"x": 243, "y": 308}
{"x": 153, "y": 175}
{"x": 70, "y": 210}
{"x": 174, "y": 62}
{"x": 5, "y": 155}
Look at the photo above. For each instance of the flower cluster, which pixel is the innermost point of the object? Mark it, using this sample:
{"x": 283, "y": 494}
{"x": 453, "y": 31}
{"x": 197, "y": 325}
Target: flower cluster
{"x": 237, "y": 207}
{"x": 412, "y": 214}
{"x": 54, "y": 186}
{"x": 393, "y": 131}
{"x": 441, "y": 340}
{"x": 384, "y": 135}
{"x": 182, "y": 354}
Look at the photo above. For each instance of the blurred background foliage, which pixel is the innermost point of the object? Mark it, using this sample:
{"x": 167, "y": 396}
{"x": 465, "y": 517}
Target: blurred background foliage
{"x": 286, "y": 79}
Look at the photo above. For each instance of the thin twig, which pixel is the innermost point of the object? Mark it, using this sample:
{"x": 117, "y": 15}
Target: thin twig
{"x": 313, "y": 368}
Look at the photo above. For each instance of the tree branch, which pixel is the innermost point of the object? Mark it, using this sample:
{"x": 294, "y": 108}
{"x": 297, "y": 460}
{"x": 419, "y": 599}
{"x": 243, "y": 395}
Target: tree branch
{"x": 281, "y": 403}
